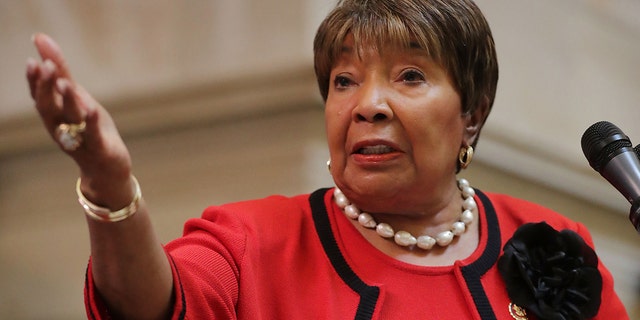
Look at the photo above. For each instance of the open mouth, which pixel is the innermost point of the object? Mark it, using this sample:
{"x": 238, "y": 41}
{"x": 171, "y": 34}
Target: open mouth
{"x": 378, "y": 149}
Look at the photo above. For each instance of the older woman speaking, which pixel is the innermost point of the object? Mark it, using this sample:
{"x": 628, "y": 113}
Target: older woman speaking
{"x": 407, "y": 86}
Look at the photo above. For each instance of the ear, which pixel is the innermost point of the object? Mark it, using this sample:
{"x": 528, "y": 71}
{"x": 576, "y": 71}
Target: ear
{"x": 474, "y": 123}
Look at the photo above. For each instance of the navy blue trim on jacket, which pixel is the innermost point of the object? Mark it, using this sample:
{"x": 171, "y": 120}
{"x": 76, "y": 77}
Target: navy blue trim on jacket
{"x": 369, "y": 294}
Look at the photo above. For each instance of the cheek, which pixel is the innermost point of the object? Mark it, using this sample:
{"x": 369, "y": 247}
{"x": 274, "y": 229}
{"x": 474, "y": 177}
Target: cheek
{"x": 437, "y": 135}
{"x": 436, "y": 152}
{"x": 335, "y": 128}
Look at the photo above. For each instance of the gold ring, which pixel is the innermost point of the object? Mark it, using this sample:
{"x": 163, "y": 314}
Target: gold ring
{"x": 68, "y": 135}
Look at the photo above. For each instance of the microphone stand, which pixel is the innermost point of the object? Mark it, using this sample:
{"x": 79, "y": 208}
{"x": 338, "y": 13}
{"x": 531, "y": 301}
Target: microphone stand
{"x": 634, "y": 214}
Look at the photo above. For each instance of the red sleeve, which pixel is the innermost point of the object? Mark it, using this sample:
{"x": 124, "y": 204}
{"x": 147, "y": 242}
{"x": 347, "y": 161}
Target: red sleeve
{"x": 205, "y": 273}
{"x": 97, "y": 309}
{"x": 205, "y": 262}
{"x": 610, "y": 305}
{"x": 205, "y": 276}
{"x": 92, "y": 301}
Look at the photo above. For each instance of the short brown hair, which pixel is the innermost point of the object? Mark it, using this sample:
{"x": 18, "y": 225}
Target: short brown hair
{"x": 453, "y": 32}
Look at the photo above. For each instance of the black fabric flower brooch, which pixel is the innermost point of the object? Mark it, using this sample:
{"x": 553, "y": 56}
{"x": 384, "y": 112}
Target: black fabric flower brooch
{"x": 551, "y": 274}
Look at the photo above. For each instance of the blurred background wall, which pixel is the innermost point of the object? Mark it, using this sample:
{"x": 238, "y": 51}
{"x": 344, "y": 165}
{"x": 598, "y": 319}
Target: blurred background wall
{"x": 217, "y": 102}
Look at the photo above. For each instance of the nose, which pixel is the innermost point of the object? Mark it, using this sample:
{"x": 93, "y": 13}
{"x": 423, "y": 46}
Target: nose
{"x": 373, "y": 104}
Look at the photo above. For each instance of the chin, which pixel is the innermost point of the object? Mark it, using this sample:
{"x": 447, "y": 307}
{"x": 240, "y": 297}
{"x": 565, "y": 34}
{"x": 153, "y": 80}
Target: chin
{"x": 367, "y": 193}
{"x": 370, "y": 185}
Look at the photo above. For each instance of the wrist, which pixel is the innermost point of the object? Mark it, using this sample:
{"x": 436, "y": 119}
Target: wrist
{"x": 113, "y": 192}
{"x": 107, "y": 214}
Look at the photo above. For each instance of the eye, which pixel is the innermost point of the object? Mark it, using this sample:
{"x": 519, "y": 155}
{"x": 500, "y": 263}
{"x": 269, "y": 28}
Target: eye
{"x": 412, "y": 76}
{"x": 341, "y": 82}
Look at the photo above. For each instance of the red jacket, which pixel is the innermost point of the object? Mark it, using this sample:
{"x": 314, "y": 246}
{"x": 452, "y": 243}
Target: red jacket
{"x": 301, "y": 258}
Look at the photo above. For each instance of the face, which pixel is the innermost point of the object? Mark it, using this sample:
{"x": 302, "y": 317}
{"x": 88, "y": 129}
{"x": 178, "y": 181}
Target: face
{"x": 394, "y": 127}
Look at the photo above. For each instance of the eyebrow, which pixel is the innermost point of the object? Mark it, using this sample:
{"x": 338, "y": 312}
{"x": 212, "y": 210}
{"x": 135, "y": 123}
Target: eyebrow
{"x": 412, "y": 45}
{"x": 415, "y": 45}
{"x": 346, "y": 49}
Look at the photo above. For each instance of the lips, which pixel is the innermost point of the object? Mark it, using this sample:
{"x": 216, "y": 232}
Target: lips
{"x": 376, "y": 149}
{"x": 373, "y": 154}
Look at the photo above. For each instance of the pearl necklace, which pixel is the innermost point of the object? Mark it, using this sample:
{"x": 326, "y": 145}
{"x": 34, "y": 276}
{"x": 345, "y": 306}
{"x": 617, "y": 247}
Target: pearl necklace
{"x": 404, "y": 238}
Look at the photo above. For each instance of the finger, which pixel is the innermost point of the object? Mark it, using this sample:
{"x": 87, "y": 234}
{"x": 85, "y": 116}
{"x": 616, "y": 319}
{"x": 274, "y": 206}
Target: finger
{"x": 33, "y": 73}
{"x": 48, "y": 101}
{"x": 71, "y": 132}
{"x": 75, "y": 105}
{"x": 50, "y": 50}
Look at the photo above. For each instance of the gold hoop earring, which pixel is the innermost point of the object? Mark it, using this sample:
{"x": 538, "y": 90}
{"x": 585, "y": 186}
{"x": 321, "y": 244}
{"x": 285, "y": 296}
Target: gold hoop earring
{"x": 329, "y": 165}
{"x": 465, "y": 156}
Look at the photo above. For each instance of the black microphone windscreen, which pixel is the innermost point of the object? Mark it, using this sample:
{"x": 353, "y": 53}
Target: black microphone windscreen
{"x": 601, "y": 142}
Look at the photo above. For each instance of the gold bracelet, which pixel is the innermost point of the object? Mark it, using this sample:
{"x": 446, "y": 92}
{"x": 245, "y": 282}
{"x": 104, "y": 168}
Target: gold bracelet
{"x": 104, "y": 214}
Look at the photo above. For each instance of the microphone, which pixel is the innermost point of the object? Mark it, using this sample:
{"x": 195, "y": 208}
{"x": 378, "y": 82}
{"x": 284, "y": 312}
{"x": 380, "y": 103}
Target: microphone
{"x": 610, "y": 152}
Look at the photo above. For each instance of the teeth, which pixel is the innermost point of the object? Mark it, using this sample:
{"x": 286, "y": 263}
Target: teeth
{"x": 375, "y": 149}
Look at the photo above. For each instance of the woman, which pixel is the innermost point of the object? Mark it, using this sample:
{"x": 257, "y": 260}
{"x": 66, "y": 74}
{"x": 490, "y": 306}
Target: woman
{"x": 408, "y": 85}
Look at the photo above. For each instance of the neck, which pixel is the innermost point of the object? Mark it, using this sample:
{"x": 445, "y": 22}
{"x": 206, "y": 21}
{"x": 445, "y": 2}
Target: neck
{"x": 425, "y": 222}
{"x": 423, "y": 239}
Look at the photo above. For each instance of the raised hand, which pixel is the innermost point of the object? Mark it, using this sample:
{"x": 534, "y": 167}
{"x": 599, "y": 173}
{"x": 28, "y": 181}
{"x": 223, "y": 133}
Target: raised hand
{"x": 129, "y": 266}
{"x": 80, "y": 125}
